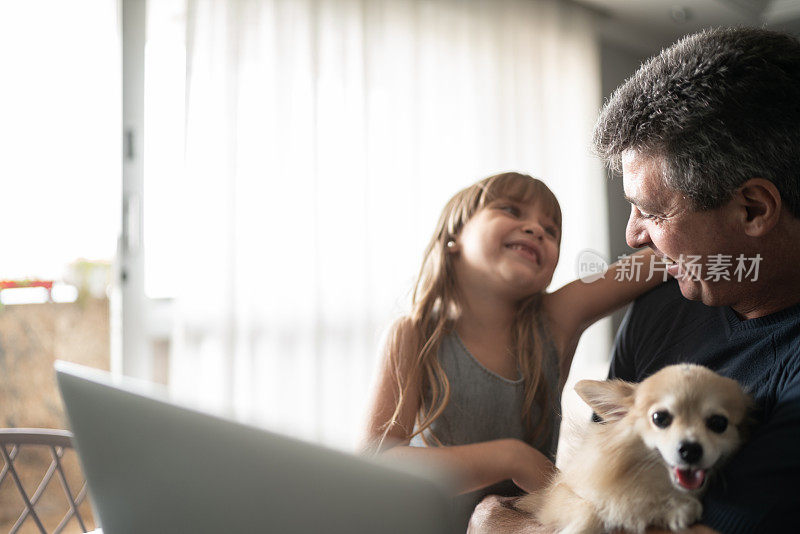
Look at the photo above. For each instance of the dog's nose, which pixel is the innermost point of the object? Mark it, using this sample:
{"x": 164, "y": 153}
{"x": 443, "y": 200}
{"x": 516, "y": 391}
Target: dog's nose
{"x": 690, "y": 451}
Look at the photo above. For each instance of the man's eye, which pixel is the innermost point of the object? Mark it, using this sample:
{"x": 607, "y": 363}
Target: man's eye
{"x": 650, "y": 217}
{"x": 646, "y": 216}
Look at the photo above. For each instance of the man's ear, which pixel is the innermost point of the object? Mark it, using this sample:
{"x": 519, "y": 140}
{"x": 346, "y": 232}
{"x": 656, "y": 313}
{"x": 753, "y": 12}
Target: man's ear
{"x": 610, "y": 399}
{"x": 759, "y": 202}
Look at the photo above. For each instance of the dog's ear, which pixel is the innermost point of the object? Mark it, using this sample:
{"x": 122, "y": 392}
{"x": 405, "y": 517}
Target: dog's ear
{"x": 610, "y": 399}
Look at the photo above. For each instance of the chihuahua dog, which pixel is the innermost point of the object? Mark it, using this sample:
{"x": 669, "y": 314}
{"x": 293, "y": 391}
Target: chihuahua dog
{"x": 649, "y": 460}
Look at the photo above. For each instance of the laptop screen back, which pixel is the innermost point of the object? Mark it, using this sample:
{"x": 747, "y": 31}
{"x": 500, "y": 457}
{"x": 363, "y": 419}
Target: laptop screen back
{"x": 154, "y": 466}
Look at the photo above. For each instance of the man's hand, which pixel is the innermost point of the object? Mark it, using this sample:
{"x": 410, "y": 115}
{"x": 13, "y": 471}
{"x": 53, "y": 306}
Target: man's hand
{"x": 495, "y": 514}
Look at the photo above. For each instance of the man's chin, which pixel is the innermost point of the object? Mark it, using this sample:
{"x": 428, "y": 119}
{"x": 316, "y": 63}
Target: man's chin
{"x": 693, "y": 289}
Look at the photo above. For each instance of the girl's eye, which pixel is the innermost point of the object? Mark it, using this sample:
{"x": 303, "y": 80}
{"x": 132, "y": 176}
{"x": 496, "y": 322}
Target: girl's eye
{"x": 551, "y": 230}
{"x": 511, "y": 210}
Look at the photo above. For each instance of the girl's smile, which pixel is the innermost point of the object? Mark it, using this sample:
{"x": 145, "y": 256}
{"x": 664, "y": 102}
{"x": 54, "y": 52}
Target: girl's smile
{"x": 527, "y": 248}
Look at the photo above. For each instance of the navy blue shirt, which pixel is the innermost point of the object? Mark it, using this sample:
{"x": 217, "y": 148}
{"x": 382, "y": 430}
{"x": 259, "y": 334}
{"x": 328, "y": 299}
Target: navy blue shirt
{"x": 759, "y": 489}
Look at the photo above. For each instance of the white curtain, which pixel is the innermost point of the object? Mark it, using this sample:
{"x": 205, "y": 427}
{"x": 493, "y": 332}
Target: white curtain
{"x": 322, "y": 140}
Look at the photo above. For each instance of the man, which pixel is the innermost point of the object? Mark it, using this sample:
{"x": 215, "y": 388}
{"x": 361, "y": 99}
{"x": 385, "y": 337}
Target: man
{"x": 707, "y": 135}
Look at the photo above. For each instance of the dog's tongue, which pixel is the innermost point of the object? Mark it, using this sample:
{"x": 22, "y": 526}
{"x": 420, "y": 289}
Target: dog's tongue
{"x": 691, "y": 479}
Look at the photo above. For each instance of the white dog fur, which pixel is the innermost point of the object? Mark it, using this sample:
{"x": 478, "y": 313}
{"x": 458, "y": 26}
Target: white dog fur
{"x": 649, "y": 461}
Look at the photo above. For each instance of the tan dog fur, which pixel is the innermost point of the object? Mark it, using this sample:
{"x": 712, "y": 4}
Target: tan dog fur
{"x": 624, "y": 473}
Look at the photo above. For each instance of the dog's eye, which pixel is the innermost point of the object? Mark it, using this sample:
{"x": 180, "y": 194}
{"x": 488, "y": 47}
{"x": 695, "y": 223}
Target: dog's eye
{"x": 662, "y": 418}
{"x": 717, "y": 423}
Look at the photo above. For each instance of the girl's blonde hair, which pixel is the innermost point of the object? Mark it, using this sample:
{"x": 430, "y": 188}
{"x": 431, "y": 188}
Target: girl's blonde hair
{"x": 435, "y": 306}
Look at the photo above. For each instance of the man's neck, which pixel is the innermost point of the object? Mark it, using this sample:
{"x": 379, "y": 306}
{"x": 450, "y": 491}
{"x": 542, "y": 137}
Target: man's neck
{"x": 773, "y": 298}
{"x": 779, "y": 286}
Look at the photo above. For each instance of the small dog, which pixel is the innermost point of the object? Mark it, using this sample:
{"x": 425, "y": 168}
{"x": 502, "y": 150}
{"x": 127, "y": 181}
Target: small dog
{"x": 649, "y": 461}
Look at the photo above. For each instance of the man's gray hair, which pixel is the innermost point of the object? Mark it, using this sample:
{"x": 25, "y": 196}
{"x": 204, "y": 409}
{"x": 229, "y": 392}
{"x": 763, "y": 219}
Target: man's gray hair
{"x": 719, "y": 107}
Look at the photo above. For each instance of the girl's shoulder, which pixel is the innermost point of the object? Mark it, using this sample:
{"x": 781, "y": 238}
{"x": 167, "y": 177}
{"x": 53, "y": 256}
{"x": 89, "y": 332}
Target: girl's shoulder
{"x": 402, "y": 338}
{"x": 404, "y": 327}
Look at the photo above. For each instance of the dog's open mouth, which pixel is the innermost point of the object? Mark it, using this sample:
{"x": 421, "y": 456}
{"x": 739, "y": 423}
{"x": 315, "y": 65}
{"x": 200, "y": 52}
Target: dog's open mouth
{"x": 689, "y": 479}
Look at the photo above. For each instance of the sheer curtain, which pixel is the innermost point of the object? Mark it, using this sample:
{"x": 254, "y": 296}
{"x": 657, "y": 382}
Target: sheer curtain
{"x": 322, "y": 139}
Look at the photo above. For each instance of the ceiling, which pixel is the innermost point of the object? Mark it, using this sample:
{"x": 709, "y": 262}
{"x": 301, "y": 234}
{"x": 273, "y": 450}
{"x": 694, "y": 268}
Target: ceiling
{"x": 646, "y": 26}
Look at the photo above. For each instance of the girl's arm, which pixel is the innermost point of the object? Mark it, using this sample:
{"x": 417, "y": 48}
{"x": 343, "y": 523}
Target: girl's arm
{"x": 479, "y": 465}
{"x": 474, "y": 466}
{"x": 577, "y": 305}
{"x": 397, "y": 365}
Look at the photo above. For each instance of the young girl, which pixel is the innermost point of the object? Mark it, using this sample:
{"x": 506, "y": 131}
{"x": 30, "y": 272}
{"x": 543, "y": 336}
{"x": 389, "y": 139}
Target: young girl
{"x": 472, "y": 377}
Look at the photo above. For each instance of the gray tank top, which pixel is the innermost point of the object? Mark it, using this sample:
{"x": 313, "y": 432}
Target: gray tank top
{"x": 485, "y": 406}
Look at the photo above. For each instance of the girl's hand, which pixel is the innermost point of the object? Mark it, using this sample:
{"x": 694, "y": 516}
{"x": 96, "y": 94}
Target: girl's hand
{"x": 530, "y": 469}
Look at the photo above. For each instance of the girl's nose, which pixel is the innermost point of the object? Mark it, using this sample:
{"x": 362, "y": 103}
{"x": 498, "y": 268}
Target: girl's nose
{"x": 534, "y": 229}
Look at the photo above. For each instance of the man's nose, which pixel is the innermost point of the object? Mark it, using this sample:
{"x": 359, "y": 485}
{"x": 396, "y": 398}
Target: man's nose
{"x": 635, "y": 233}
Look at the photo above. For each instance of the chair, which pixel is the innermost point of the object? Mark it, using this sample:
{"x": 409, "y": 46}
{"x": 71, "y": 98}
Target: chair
{"x": 12, "y": 440}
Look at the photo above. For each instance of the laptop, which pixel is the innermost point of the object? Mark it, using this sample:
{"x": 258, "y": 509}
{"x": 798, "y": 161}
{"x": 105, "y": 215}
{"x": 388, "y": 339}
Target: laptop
{"x": 153, "y": 466}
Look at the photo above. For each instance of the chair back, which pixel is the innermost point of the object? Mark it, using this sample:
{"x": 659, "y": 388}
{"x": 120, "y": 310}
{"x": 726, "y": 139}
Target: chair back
{"x": 57, "y": 443}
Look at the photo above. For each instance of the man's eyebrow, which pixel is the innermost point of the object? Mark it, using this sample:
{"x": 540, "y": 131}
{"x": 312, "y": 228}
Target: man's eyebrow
{"x": 648, "y": 206}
